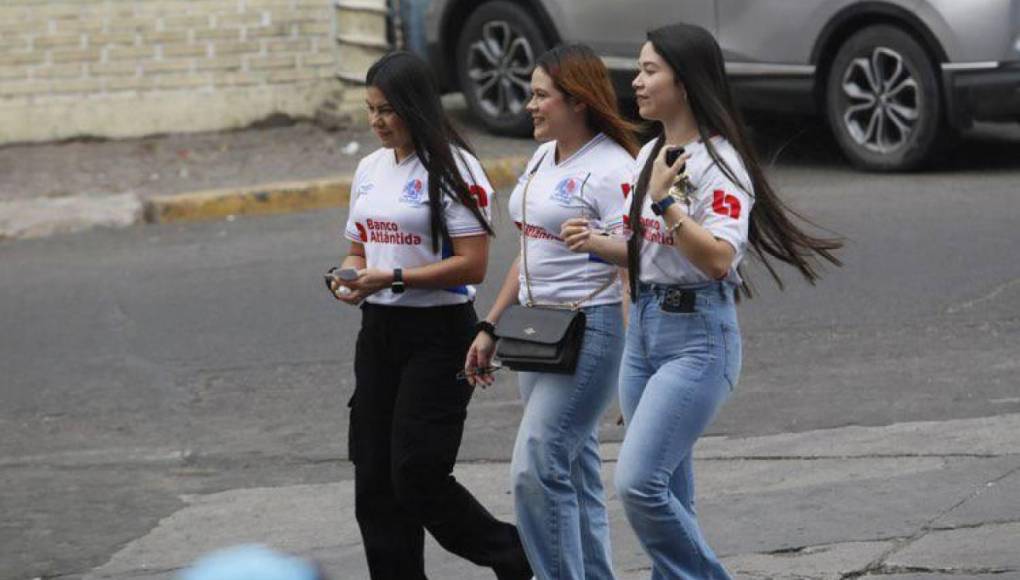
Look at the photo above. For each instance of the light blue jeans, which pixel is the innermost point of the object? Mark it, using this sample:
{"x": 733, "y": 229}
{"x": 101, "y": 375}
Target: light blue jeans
{"x": 558, "y": 493}
{"x": 677, "y": 370}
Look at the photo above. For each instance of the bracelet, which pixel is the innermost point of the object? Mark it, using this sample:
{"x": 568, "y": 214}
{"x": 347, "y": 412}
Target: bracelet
{"x": 673, "y": 229}
{"x": 486, "y": 327}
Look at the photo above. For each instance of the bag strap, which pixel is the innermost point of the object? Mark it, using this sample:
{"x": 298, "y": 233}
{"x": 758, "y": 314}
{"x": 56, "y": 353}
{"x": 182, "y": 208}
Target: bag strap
{"x": 524, "y": 251}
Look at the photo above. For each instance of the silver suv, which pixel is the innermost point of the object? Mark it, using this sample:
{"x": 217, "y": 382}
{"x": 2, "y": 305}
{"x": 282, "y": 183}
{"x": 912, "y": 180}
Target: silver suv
{"x": 892, "y": 77}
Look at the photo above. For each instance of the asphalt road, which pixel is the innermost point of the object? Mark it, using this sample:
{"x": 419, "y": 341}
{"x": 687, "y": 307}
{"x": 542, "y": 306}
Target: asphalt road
{"x": 146, "y": 364}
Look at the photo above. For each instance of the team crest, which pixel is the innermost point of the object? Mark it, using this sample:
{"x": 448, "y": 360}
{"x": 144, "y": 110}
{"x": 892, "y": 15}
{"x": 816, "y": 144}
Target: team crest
{"x": 414, "y": 192}
{"x": 566, "y": 191}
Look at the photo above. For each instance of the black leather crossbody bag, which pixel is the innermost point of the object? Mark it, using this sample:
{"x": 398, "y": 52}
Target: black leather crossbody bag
{"x": 540, "y": 339}
{"x": 543, "y": 338}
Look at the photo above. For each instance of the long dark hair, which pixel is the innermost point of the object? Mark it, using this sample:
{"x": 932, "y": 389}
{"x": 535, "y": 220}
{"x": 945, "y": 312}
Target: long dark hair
{"x": 697, "y": 62}
{"x": 580, "y": 74}
{"x": 407, "y": 83}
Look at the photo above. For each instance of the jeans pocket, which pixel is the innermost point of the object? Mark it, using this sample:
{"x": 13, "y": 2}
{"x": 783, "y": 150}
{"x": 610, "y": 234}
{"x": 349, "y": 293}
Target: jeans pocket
{"x": 350, "y": 429}
{"x": 684, "y": 330}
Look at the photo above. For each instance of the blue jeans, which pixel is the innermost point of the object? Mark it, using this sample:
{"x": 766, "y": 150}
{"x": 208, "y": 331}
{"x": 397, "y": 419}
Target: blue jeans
{"x": 677, "y": 371}
{"x": 558, "y": 493}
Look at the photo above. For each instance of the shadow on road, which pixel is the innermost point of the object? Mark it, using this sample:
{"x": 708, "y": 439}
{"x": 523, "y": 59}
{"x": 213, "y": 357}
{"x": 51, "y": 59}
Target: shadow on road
{"x": 808, "y": 143}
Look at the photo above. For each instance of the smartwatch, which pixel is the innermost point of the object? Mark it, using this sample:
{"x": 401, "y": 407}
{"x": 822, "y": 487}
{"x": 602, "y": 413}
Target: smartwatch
{"x": 660, "y": 207}
{"x": 398, "y": 281}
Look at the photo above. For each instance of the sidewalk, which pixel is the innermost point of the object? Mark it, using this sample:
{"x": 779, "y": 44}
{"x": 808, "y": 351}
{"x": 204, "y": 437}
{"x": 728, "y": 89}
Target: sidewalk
{"x": 54, "y": 188}
{"x": 912, "y": 501}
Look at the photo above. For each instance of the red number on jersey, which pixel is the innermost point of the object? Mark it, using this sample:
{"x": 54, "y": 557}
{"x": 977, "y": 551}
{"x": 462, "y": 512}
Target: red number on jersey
{"x": 725, "y": 204}
{"x": 479, "y": 192}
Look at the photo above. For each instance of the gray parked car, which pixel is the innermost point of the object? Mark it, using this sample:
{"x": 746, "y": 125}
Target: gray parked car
{"x": 892, "y": 77}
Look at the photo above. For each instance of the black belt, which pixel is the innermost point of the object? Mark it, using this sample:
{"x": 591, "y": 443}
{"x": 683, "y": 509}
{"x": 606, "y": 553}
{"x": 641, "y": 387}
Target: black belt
{"x": 681, "y": 297}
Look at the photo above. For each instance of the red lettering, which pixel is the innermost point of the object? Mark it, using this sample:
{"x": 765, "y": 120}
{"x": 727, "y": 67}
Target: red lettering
{"x": 382, "y": 225}
{"x": 538, "y": 233}
{"x": 658, "y": 237}
{"x": 398, "y": 238}
{"x": 650, "y": 224}
{"x": 362, "y": 233}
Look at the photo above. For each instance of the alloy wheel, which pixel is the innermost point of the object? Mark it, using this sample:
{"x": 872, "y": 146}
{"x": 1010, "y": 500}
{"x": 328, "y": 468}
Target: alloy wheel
{"x": 883, "y": 100}
{"x": 499, "y": 66}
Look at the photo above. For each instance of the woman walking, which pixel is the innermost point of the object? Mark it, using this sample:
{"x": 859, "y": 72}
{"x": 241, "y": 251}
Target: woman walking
{"x": 419, "y": 231}
{"x": 692, "y": 222}
{"x": 582, "y": 170}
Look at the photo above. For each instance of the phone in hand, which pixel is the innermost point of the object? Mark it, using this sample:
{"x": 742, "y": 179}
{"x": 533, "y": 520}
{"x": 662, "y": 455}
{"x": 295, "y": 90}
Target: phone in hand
{"x": 672, "y": 154}
{"x": 347, "y": 274}
{"x": 339, "y": 275}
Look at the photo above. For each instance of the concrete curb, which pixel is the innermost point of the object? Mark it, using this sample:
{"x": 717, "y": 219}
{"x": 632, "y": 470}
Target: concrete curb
{"x": 44, "y": 217}
{"x": 286, "y": 197}
{"x": 36, "y": 218}
{"x": 255, "y": 200}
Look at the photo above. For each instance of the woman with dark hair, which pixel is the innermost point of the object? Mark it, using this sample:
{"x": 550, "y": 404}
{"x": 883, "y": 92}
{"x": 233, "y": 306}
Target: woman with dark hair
{"x": 419, "y": 231}
{"x": 692, "y": 221}
{"x": 581, "y": 173}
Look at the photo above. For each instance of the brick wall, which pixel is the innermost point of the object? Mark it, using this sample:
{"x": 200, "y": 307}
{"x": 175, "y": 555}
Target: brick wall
{"x": 361, "y": 39}
{"x": 132, "y": 67}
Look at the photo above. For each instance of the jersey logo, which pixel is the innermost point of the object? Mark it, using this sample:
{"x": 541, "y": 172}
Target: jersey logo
{"x": 725, "y": 204}
{"x": 362, "y": 232}
{"x": 565, "y": 191}
{"x": 414, "y": 192}
{"x": 626, "y": 189}
{"x": 364, "y": 188}
{"x": 480, "y": 195}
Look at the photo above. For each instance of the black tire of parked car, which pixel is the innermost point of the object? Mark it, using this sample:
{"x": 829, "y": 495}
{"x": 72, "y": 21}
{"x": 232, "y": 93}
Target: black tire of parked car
{"x": 893, "y": 120}
{"x": 491, "y": 21}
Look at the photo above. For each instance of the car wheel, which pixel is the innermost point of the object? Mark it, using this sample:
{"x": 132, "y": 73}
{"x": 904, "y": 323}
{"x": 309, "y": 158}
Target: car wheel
{"x": 496, "y": 54}
{"x": 882, "y": 100}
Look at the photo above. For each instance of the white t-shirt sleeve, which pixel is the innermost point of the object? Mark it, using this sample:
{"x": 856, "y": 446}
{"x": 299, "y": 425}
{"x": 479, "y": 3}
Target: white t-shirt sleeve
{"x": 461, "y": 221}
{"x": 723, "y": 208}
{"x": 612, "y": 196}
{"x": 351, "y": 230}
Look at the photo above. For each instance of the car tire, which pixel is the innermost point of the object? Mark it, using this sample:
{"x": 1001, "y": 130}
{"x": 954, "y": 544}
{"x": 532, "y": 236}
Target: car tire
{"x": 496, "y": 53}
{"x": 883, "y": 101}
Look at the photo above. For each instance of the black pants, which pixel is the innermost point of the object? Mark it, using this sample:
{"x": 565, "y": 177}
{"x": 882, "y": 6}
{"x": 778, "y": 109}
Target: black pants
{"x": 407, "y": 419}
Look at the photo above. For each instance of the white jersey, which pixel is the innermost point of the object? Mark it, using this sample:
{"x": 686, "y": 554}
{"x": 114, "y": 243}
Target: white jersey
{"x": 718, "y": 204}
{"x": 592, "y": 183}
{"x": 389, "y": 215}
